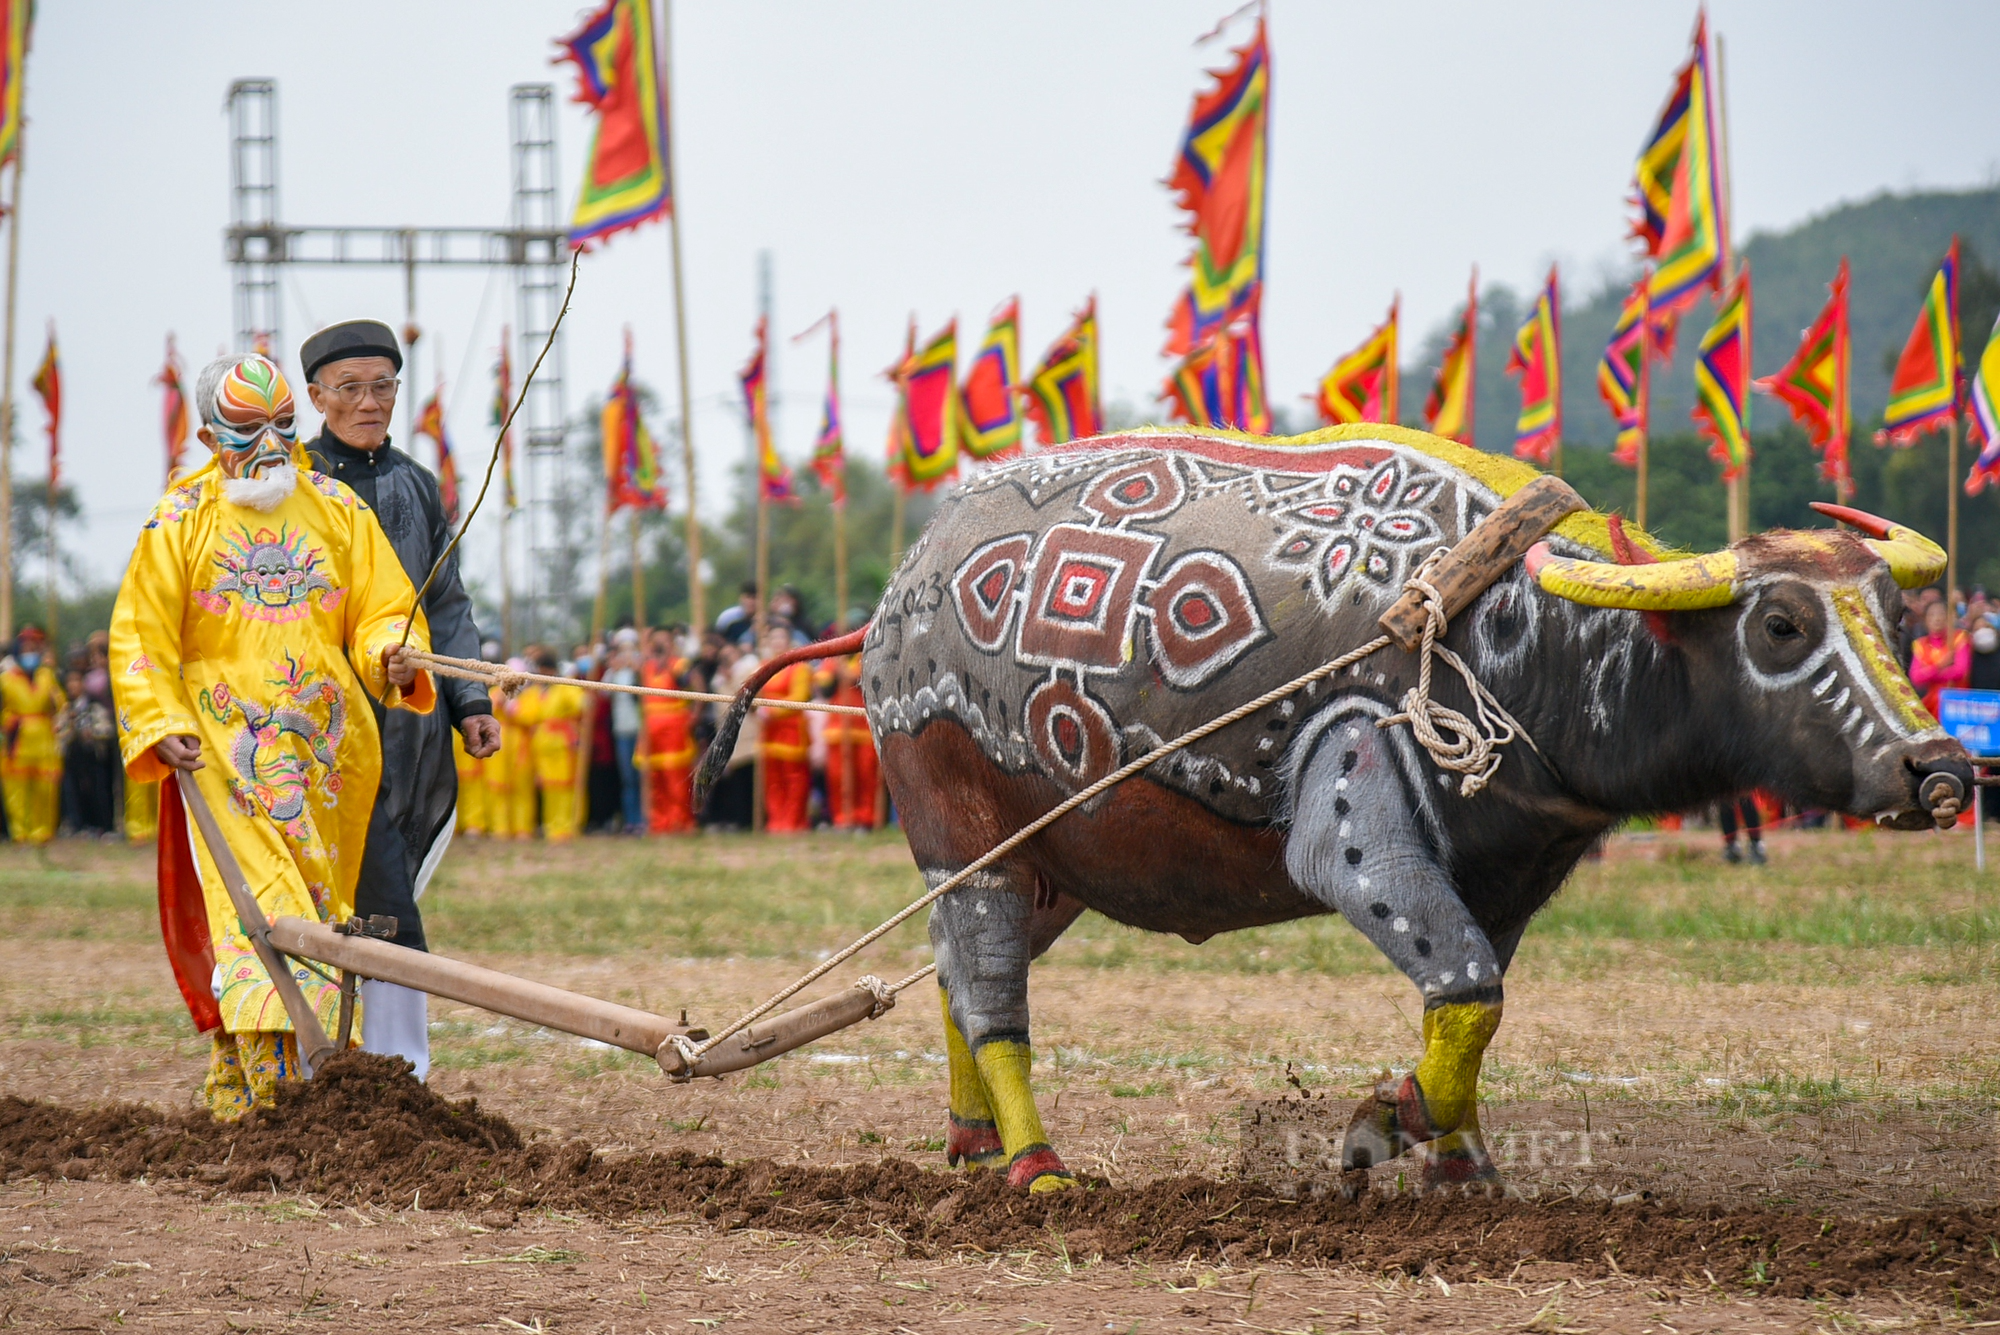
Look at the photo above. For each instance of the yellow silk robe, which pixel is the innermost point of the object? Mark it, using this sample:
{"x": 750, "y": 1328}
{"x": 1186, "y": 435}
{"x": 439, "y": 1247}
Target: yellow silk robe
{"x": 257, "y": 632}
{"x": 31, "y": 763}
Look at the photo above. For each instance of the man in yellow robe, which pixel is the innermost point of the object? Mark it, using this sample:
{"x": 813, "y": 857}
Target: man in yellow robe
{"x": 31, "y": 762}
{"x": 510, "y": 771}
{"x": 261, "y": 600}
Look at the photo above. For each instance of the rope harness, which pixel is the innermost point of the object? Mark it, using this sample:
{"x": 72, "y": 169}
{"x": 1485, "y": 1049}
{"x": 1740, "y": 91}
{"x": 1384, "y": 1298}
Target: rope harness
{"x": 1466, "y": 746}
{"x": 510, "y": 681}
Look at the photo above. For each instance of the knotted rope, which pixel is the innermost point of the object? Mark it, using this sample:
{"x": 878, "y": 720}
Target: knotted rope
{"x": 1472, "y": 748}
{"x": 510, "y": 681}
{"x": 1472, "y": 752}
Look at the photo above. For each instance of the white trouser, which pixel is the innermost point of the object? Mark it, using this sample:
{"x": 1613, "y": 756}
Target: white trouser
{"x": 395, "y": 1020}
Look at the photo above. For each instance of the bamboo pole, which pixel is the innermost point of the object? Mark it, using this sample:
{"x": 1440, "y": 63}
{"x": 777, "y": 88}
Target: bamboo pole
{"x": 1951, "y": 513}
{"x": 506, "y": 586}
{"x": 638, "y": 580}
{"x": 896, "y": 524}
{"x": 840, "y": 567}
{"x": 763, "y": 602}
{"x": 697, "y": 602}
{"x": 1645, "y": 411}
{"x": 1739, "y": 486}
{"x": 603, "y": 568}
{"x": 7, "y": 397}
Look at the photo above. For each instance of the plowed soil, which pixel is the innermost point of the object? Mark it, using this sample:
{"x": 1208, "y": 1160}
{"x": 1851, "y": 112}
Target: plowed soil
{"x": 365, "y": 1134}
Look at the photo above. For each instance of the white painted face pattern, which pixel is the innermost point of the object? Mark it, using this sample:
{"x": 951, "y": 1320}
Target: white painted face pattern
{"x": 1859, "y": 685}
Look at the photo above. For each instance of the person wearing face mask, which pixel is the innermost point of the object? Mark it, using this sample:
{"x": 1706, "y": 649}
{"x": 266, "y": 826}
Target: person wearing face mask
{"x": 261, "y": 619}
{"x": 350, "y": 371}
{"x": 1985, "y": 670}
{"x": 31, "y": 763}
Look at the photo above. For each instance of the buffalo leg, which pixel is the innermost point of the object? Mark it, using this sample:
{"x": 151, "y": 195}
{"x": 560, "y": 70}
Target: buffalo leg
{"x": 1460, "y": 1159}
{"x": 1358, "y": 844}
{"x": 983, "y": 935}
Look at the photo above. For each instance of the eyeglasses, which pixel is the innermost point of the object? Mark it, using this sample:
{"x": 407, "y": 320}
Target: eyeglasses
{"x": 353, "y": 392}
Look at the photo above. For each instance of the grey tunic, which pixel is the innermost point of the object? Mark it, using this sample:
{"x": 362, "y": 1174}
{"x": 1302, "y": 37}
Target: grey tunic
{"x": 419, "y": 774}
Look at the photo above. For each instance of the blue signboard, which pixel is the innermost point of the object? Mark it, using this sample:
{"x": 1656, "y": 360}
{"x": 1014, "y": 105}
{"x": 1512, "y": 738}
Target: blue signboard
{"x": 1973, "y": 717}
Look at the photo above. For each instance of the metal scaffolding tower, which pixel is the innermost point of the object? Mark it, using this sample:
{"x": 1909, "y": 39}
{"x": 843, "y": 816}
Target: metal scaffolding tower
{"x": 534, "y": 246}
{"x": 253, "y": 211}
{"x": 538, "y": 292}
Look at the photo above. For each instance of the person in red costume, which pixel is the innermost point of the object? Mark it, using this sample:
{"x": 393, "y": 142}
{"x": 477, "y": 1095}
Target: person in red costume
{"x": 1941, "y": 657}
{"x": 667, "y": 739}
{"x": 784, "y": 744}
{"x": 852, "y": 778}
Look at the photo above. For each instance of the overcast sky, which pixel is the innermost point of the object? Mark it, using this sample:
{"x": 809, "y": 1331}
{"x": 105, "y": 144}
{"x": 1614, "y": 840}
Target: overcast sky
{"x": 899, "y": 157}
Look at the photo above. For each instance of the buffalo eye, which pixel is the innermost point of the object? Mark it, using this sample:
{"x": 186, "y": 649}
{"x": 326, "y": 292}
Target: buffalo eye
{"x": 1780, "y": 627}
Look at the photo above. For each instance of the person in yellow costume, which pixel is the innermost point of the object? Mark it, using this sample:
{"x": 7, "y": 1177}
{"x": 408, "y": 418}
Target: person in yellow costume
{"x": 262, "y": 600}
{"x": 142, "y": 813}
{"x": 472, "y": 817}
{"x": 554, "y": 713}
{"x": 31, "y": 763}
{"x": 510, "y": 771}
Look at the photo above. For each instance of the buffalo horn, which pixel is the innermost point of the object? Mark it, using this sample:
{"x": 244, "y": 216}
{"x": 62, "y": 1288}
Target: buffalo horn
{"x": 1913, "y": 559}
{"x": 1664, "y": 586}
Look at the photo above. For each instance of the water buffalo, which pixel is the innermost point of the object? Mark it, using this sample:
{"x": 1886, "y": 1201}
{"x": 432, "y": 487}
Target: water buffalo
{"x": 1069, "y": 611}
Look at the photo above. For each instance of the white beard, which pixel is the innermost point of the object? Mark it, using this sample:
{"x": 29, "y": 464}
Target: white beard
{"x": 264, "y": 493}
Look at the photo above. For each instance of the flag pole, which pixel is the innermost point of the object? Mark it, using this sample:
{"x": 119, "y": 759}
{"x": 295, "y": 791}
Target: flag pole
{"x": 697, "y": 603}
{"x": 7, "y": 396}
{"x": 840, "y": 566}
{"x": 1951, "y": 511}
{"x": 506, "y": 587}
{"x": 638, "y": 580}
{"x": 1645, "y": 404}
{"x": 1739, "y": 486}
{"x": 603, "y": 567}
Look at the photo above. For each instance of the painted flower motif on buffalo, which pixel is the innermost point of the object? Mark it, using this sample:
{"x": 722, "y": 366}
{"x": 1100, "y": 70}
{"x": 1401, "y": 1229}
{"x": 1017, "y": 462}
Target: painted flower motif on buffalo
{"x": 273, "y": 575}
{"x": 1368, "y": 523}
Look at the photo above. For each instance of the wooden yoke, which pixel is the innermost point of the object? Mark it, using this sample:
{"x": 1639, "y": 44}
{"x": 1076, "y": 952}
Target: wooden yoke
{"x": 1484, "y": 555}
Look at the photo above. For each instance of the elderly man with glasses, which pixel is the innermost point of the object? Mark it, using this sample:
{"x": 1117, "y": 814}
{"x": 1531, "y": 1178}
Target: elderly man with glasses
{"x": 350, "y": 371}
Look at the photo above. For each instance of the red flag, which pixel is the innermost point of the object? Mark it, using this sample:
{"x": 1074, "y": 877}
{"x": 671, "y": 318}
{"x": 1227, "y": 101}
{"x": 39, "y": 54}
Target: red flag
{"x": 173, "y": 409}
{"x": 48, "y": 384}
{"x": 1814, "y": 383}
{"x": 1364, "y": 386}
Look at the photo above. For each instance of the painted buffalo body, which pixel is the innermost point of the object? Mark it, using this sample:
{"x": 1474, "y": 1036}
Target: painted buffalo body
{"x": 1068, "y": 612}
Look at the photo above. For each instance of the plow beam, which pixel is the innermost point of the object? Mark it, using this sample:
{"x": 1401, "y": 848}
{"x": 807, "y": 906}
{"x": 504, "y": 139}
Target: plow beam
{"x": 537, "y": 1003}
{"x": 778, "y": 1035}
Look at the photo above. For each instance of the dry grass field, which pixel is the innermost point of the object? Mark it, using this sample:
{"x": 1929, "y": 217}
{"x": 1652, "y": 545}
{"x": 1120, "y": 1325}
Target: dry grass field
{"x": 1815, "y": 1036}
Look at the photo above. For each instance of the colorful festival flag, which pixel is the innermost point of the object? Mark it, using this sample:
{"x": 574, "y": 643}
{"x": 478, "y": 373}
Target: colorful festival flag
{"x": 1196, "y": 392}
{"x": 1677, "y": 188}
{"x": 1244, "y": 341}
{"x": 430, "y": 422}
{"x": 16, "y": 19}
{"x": 1722, "y": 380}
{"x": 48, "y": 384}
{"x": 1537, "y": 359}
{"x": 1622, "y": 377}
{"x": 1448, "y": 410}
{"x": 1220, "y": 383}
{"x": 773, "y": 478}
{"x": 898, "y": 447}
{"x": 1814, "y": 383}
{"x": 173, "y": 409}
{"x": 626, "y": 180}
{"x": 503, "y": 403}
{"x": 1219, "y": 179}
{"x": 632, "y": 475}
{"x": 989, "y": 414}
{"x": 1985, "y": 413}
{"x": 829, "y": 461}
{"x": 1924, "y": 392}
{"x": 1060, "y": 398}
{"x": 1365, "y": 385}
{"x": 930, "y": 404}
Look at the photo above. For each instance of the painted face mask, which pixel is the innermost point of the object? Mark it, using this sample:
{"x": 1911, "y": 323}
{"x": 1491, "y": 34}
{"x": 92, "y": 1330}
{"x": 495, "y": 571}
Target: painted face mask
{"x": 252, "y": 418}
